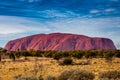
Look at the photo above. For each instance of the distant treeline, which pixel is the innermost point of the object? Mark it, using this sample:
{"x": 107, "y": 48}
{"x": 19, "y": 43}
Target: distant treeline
{"x": 61, "y": 54}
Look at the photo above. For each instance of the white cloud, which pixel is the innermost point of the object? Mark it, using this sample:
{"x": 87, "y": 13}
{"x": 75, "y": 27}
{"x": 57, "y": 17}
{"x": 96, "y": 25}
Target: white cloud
{"x": 12, "y": 27}
{"x": 94, "y": 11}
{"x": 97, "y": 12}
{"x": 57, "y": 14}
{"x": 94, "y": 27}
{"x": 85, "y": 25}
{"x": 10, "y": 24}
{"x": 109, "y": 10}
{"x": 53, "y": 13}
{"x": 5, "y": 29}
{"x": 30, "y": 1}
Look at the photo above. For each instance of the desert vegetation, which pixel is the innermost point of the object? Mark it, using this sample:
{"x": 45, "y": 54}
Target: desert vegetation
{"x": 60, "y": 65}
{"x": 110, "y": 75}
{"x": 76, "y": 74}
{"x": 62, "y": 54}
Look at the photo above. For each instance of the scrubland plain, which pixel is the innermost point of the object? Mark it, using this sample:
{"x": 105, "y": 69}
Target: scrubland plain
{"x": 36, "y": 66}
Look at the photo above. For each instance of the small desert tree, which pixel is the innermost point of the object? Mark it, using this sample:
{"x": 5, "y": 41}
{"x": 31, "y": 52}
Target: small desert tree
{"x": 25, "y": 53}
{"x": 17, "y": 54}
{"x": 2, "y": 51}
{"x": 109, "y": 56}
{"x": 117, "y": 53}
{"x": 0, "y": 55}
{"x": 78, "y": 54}
{"x": 88, "y": 55}
{"x": 12, "y": 56}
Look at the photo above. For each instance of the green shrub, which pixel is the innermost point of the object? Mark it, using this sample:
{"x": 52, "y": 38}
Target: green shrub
{"x": 50, "y": 77}
{"x": 90, "y": 54}
{"x": 17, "y": 54}
{"x": 26, "y": 53}
{"x": 109, "y": 75}
{"x": 117, "y": 54}
{"x": 48, "y": 53}
{"x": 57, "y": 55}
{"x": 65, "y": 54}
{"x": 78, "y": 54}
{"x": 76, "y": 74}
{"x": 12, "y": 56}
{"x": 109, "y": 54}
{"x": 66, "y": 61}
{"x": 38, "y": 53}
{"x": 24, "y": 77}
{"x": 0, "y": 56}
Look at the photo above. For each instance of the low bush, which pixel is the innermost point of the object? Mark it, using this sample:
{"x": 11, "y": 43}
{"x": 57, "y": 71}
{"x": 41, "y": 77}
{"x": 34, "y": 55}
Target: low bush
{"x": 78, "y": 54}
{"x": 109, "y": 75}
{"x": 38, "y": 53}
{"x": 40, "y": 78}
{"x": 57, "y": 55}
{"x": 24, "y": 77}
{"x": 65, "y": 61}
{"x": 66, "y": 74}
{"x": 90, "y": 54}
{"x": 81, "y": 75}
{"x": 17, "y": 54}
{"x": 109, "y": 54}
{"x": 117, "y": 54}
{"x": 50, "y": 77}
{"x": 76, "y": 74}
{"x": 12, "y": 56}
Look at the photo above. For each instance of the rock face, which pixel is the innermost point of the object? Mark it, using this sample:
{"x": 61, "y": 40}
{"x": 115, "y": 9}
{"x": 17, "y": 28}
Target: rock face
{"x": 59, "y": 41}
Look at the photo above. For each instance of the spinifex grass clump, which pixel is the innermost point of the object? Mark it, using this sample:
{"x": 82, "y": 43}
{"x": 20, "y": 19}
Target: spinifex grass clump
{"x": 24, "y": 77}
{"x": 81, "y": 75}
{"x": 76, "y": 74}
{"x": 110, "y": 75}
{"x": 50, "y": 77}
{"x": 66, "y": 74}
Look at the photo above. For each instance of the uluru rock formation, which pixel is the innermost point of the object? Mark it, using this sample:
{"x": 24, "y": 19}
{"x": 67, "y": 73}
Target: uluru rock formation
{"x": 59, "y": 41}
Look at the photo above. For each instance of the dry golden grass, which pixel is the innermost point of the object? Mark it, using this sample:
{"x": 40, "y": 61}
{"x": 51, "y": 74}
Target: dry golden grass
{"x": 8, "y": 68}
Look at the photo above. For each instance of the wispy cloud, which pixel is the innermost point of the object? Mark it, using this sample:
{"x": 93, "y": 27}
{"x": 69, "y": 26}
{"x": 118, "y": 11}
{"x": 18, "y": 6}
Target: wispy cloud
{"x": 30, "y": 1}
{"x": 8, "y": 30}
{"x": 53, "y": 13}
{"x": 109, "y": 10}
{"x": 10, "y": 24}
{"x": 57, "y": 14}
{"x": 94, "y": 11}
{"x": 12, "y": 27}
{"x": 94, "y": 27}
{"x": 93, "y": 18}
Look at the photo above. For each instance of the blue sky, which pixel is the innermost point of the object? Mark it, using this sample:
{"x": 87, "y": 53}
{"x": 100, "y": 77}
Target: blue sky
{"x": 95, "y": 18}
